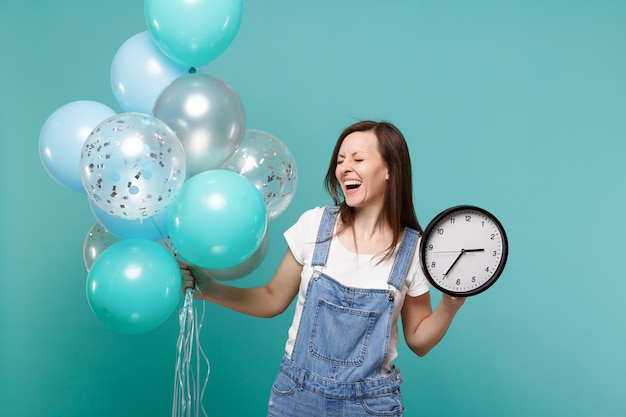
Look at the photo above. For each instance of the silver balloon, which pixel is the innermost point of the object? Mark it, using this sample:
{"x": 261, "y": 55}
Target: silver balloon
{"x": 132, "y": 165}
{"x": 207, "y": 116}
{"x": 246, "y": 267}
{"x": 266, "y": 162}
{"x": 96, "y": 241}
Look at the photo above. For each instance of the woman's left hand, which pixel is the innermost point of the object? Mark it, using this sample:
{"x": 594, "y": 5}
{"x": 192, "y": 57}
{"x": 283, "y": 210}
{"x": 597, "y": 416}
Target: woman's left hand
{"x": 453, "y": 303}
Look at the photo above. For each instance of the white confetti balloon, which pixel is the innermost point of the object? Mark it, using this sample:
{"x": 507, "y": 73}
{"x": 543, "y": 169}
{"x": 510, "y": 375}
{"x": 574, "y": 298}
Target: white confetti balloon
{"x": 132, "y": 165}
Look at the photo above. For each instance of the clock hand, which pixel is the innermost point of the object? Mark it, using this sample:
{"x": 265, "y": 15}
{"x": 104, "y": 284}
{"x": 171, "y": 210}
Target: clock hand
{"x": 457, "y": 251}
{"x": 455, "y": 261}
{"x": 459, "y": 257}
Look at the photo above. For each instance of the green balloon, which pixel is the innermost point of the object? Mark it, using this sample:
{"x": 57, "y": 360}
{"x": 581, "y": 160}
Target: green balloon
{"x": 134, "y": 286}
{"x": 218, "y": 220}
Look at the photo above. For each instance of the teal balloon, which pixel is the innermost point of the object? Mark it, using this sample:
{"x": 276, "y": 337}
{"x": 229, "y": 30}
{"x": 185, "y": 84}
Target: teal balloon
{"x": 218, "y": 220}
{"x": 193, "y": 32}
{"x": 134, "y": 286}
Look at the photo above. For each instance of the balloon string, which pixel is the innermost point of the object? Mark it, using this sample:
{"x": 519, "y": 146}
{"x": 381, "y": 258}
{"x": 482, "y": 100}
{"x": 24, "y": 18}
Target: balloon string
{"x": 188, "y": 388}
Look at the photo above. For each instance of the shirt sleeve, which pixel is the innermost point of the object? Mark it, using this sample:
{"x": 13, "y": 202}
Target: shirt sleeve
{"x": 301, "y": 236}
{"x": 418, "y": 284}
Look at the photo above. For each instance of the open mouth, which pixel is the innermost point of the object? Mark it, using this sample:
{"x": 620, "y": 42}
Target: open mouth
{"x": 352, "y": 184}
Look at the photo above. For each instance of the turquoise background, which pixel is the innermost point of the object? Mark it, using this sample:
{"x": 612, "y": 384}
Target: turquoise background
{"x": 515, "y": 106}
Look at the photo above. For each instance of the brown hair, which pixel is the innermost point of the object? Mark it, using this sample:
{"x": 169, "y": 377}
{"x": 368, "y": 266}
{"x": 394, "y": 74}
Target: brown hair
{"x": 398, "y": 211}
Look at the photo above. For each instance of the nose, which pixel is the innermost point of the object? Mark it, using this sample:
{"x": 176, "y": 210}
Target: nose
{"x": 344, "y": 167}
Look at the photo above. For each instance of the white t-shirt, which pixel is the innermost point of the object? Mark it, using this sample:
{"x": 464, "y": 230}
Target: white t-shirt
{"x": 349, "y": 269}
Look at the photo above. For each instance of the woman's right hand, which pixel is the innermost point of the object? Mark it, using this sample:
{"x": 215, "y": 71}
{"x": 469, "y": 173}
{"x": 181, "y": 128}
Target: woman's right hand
{"x": 196, "y": 278}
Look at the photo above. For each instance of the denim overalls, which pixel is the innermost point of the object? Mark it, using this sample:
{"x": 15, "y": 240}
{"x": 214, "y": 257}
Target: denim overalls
{"x": 342, "y": 342}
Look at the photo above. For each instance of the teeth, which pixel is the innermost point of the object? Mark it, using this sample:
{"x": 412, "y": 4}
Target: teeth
{"x": 352, "y": 184}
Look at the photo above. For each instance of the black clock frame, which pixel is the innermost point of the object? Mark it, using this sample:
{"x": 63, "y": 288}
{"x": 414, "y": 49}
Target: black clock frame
{"x": 429, "y": 229}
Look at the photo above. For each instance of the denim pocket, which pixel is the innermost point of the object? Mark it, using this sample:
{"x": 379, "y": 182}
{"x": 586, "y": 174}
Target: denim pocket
{"x": 284, "y": 385}
{"x": 341, "y": 335}
{"x": 384, "y": 405}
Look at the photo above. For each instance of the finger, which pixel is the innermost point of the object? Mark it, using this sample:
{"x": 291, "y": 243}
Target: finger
{"x": 184, "y": 265}
{"x": 188, "y": 281}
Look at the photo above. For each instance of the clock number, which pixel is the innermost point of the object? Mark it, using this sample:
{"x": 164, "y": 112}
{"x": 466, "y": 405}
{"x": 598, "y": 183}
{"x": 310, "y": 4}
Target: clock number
{"x": 452, "y": 220}
{"x": 473, "y": 279}
{"x": 493, "y": 236}
{"x": 487, "y": 269}
{"x": 433, "y": 264}
{"x": 430, "y": 247}
{"x": 468, "y": 218}
{"x": 440, "y": 231}
{"x": 458, "y": 282}
{"x": 495, "y": 253}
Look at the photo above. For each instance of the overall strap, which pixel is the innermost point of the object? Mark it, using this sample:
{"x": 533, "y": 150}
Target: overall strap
{"x": 403, "y": 259}
{"x": 324, "y": 234}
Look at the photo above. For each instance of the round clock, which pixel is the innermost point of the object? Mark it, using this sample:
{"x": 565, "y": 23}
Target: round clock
{"x": 463, "y": 250}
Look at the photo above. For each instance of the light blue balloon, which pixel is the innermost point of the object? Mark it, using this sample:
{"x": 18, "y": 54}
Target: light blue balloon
{"x": 193, "y": 32}
{"x": 134, "y": 286}
{"x": 151, "y": 228}
{"x": 140, "y": 72}
{"x": 218, "y": 220}
{"x": 62, "y": 137}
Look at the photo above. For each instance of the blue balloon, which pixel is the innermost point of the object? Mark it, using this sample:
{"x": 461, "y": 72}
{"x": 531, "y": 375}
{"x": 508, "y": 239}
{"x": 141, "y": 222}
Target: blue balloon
{"x": 62, "y": 137}
{"x": 193, "y": 32}
{"x": 134, "y": 286}
{"x": 151, "y": 228}
{"x": 218, "y": 220}
{"x": 140, "y": 72}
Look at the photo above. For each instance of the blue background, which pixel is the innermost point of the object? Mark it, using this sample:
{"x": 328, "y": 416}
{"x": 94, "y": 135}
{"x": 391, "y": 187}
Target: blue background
{"x": 515, "y": 106}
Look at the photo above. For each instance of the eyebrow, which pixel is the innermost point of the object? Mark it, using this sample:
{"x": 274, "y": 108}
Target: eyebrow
{"x": 352, "y": 154}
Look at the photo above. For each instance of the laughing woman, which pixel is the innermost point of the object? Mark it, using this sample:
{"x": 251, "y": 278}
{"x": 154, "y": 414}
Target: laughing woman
{"x": 354, "y": 268}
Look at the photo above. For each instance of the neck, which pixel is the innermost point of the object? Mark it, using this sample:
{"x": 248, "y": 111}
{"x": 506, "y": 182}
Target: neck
{"x": 368, "y": 229}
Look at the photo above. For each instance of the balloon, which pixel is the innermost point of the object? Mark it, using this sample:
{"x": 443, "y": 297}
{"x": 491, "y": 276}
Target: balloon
{"x": 244, "y": 268}
{"x": 268, "y": 164}
{"x": 134, "y": 286}
{"x": 132, "y": 165}
{"x": 218, "y": 220}
{"x": 62, "y": 137}
{"x": 151, "y": 228}
{"x": 193, "y": 32}
{"x": 140, "y": 72}
{"x": 96, "y": 241}
{"x": 207, "y": 116}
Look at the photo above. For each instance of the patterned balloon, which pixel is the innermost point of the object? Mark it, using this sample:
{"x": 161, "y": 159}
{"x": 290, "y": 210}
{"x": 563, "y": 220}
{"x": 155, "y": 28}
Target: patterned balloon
{"x": 132, "y": 165}
{"x": 266, "y": 162}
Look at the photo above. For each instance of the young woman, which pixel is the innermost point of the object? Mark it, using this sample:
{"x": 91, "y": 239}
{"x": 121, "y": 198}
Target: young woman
{"x": 354, "y": 267}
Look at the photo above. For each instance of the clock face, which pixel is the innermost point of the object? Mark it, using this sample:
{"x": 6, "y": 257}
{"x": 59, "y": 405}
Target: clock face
{"x": 463, "y": 250}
